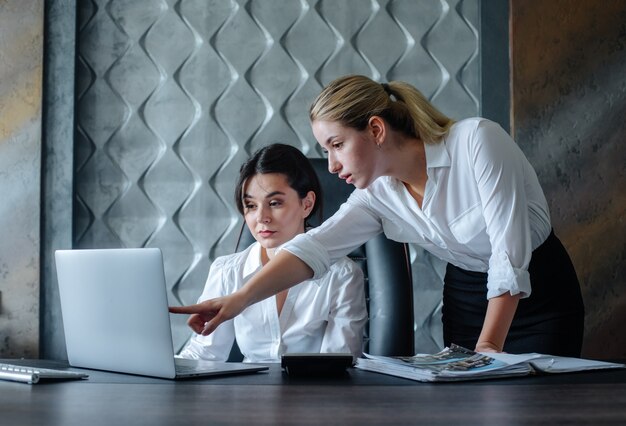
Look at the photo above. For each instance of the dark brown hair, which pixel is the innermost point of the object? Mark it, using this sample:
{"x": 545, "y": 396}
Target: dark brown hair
{"x": 286, "y": 160}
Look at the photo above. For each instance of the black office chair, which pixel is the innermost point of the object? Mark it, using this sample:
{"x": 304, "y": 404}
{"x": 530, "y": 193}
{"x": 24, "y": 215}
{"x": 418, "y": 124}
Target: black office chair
{"x": 388, "y": 281}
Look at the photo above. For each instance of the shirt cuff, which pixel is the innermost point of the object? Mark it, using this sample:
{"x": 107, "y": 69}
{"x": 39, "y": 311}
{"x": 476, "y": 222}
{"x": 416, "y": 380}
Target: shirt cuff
{"x": 311, "y": 252}
{"x": 504, "y": 278}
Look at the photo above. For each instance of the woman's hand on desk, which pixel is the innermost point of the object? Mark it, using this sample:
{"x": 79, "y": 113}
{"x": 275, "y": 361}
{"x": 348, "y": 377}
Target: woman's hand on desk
{"x": 208, "y": 315}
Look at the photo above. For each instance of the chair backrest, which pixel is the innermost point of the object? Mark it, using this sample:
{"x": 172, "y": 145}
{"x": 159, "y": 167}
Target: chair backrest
{"x": 387, "y": 269}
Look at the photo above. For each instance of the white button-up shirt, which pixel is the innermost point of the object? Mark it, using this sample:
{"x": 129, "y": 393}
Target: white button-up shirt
{"x": 483, "y": 210}
{"x": 324, "y": 315}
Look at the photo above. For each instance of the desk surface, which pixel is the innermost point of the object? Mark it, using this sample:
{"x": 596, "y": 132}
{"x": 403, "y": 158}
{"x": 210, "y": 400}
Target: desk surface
{"x": 272, "y": 397}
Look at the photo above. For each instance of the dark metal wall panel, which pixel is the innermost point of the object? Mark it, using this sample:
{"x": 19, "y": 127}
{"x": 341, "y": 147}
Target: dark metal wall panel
{"x": 57, "y": 185}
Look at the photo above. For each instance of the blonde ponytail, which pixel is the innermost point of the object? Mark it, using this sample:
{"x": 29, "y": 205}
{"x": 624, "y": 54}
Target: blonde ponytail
{"x": 352, "y": 100}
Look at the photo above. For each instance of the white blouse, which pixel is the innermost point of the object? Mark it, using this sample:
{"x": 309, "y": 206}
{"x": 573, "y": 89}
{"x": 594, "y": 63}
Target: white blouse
{"x": 323, "y": 315}
{"x": 483, "y": 210}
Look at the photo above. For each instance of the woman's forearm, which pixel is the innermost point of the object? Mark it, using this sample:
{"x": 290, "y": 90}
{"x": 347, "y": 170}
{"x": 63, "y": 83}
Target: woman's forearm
{"x": 282, "y": 272}
{"x": 498, "y": 319}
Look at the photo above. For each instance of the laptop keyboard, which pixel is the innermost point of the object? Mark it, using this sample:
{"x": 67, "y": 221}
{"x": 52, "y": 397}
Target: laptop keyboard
{"x": 32, "y": 375}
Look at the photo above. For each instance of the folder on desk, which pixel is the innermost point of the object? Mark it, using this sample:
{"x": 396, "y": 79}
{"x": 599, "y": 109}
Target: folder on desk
{"x": 457, "y": 364}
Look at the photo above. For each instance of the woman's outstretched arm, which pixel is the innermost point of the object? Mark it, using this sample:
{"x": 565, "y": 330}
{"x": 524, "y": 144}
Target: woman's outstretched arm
{"x": 283, "y": 271}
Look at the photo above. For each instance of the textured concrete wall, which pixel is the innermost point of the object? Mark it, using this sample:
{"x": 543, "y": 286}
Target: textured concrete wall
{"x": 21, "y": 41}
{"x": 569, "y": 116}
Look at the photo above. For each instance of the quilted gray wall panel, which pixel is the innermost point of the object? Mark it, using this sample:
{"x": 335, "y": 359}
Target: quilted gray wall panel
{"x": 173, "y": 95}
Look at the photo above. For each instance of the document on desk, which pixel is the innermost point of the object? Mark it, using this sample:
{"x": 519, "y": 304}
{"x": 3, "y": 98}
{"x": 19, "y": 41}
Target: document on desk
{"x": 457, "y": 364}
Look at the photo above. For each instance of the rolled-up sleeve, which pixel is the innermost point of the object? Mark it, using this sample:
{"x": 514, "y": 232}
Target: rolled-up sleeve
{"x": 499, "y": 167}
{"x": 311, "y": 252}
{"x": 351, "y": 226}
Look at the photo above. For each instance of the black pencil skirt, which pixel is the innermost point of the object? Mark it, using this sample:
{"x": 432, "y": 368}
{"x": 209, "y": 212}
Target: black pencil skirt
{"x": 550, "y": 321}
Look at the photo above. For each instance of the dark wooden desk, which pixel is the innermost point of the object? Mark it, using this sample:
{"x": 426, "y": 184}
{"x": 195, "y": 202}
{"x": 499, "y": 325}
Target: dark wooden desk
{"x": 359, "y": 398}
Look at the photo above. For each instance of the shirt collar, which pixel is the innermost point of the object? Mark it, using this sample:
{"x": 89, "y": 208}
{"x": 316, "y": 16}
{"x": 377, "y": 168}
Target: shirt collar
{"x": 436, "y": 155}
{"x": 253, "y": 260}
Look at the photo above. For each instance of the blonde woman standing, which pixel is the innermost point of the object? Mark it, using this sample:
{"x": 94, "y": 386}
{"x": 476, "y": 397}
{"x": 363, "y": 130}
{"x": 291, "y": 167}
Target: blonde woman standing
{"x": 462, "y": 190}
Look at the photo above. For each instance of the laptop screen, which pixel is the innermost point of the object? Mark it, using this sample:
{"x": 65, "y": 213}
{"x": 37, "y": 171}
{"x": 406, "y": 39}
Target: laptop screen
{"x": 114, "y": 309}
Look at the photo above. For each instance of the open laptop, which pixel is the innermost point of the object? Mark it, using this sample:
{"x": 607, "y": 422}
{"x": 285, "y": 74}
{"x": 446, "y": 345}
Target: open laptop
{"x": 114, "y": 308}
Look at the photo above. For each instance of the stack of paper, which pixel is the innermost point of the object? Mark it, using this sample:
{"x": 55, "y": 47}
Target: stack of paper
{"x": 457, "y": 363}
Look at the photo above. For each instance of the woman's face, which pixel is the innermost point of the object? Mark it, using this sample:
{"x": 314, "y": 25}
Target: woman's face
{"x": 273, "y": 211}
{"x": 352, "y": 154}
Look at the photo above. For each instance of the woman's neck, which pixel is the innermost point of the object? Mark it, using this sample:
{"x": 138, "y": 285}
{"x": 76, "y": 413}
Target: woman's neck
{"x": 407, "y": 162}
{"x": 268, "y": 254}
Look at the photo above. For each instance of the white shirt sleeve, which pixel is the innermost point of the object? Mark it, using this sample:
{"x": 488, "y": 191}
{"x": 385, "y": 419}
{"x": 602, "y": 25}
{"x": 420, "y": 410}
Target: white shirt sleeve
{"x": 347, "y": 311}
{"x": 350, "y": 227}
{"x": 499, "y": 168}
{"x": 217, "y": 345}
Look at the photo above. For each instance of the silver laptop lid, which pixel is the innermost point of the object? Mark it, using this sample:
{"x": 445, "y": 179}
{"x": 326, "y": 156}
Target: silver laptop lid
{"x": 114, "y": 309}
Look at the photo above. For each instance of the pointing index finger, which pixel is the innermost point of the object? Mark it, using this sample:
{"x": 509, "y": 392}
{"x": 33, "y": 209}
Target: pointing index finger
{"x": 190, "y": 309}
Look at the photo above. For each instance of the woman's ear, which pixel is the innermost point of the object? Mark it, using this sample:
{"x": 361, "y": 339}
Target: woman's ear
{"x": 376, "y": 126}
{"x": 308, "y": 202}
